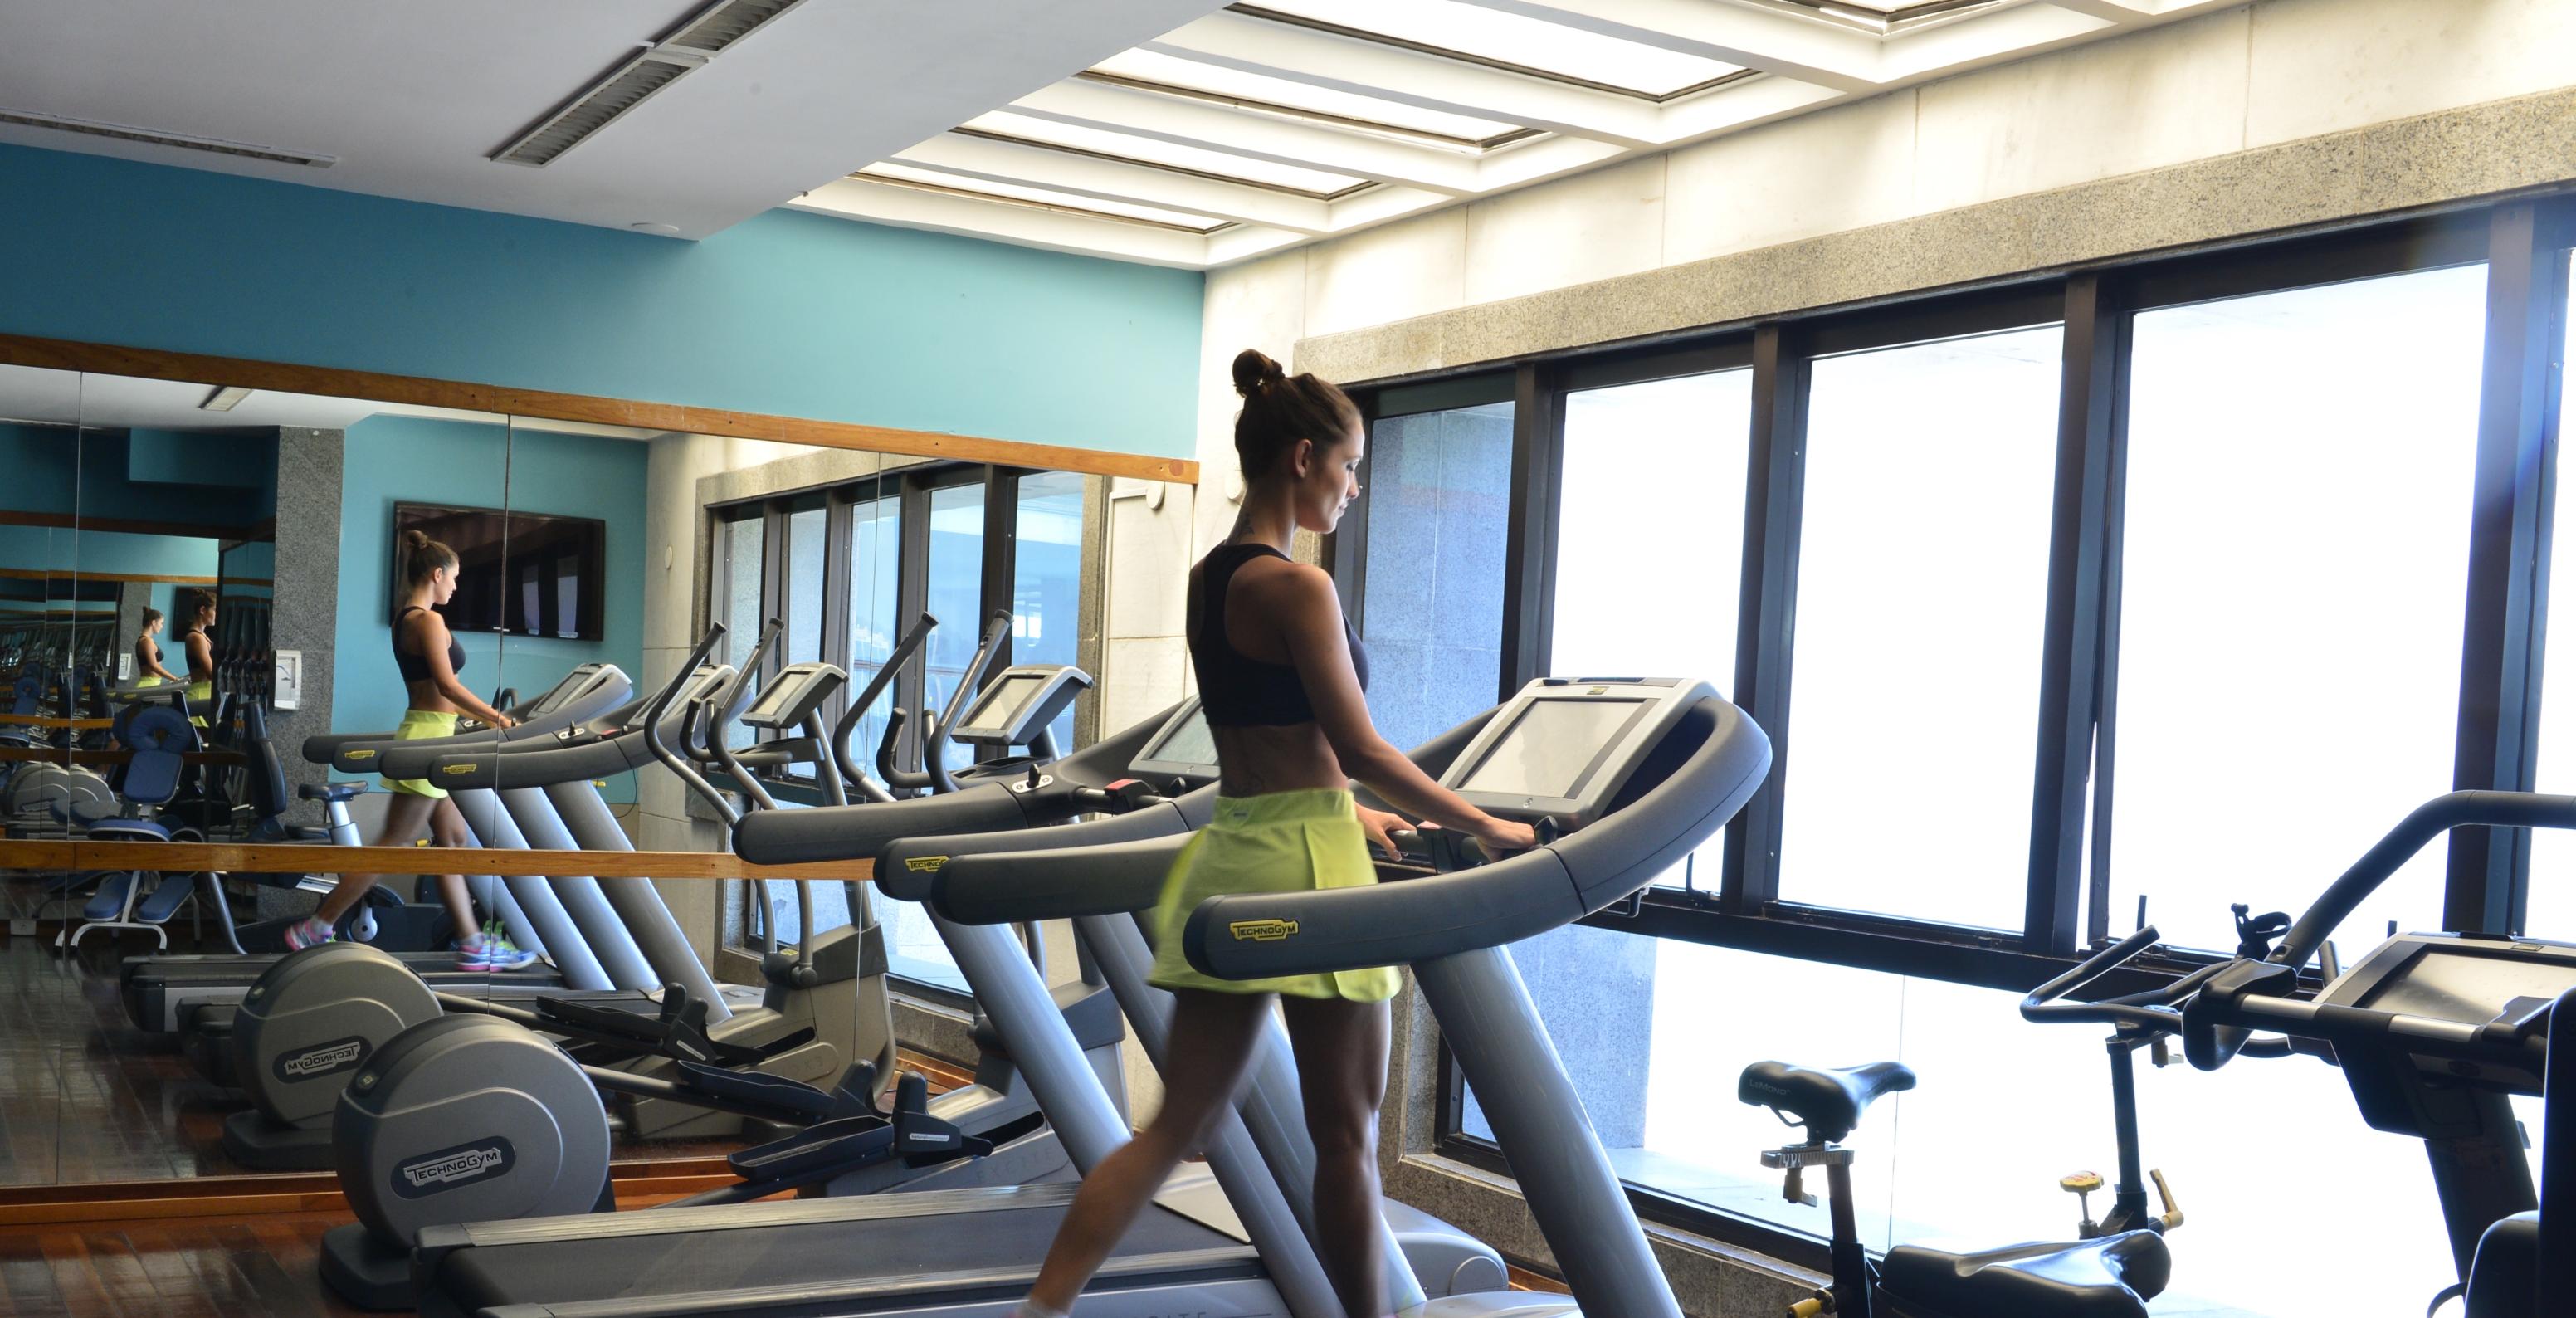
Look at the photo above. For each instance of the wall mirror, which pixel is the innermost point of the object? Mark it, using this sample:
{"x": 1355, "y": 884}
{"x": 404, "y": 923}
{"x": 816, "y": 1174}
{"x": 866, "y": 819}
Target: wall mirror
{"x": 209, "y": 616}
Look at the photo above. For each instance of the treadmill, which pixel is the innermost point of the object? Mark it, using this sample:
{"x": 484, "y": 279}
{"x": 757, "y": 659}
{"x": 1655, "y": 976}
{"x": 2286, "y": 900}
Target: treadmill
{"x": 159, "y": 990}
{"x": 1645, "y": 769}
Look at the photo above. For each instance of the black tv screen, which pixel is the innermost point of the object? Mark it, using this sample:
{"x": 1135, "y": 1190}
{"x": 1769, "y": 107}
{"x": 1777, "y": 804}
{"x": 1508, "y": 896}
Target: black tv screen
{"x": 525, "y": 574}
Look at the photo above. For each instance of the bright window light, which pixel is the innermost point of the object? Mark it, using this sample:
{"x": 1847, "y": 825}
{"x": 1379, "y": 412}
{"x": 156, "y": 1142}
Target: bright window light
{"x": 1533, "y": 44}
{"x": 2294, "y": 569}
{"x": 1265, "y": 92}
{"x": 1164, "y": 155}
{"x": 1922, "y": 590}
{"x": 1048, "y": 197}
{"x": 2552, "y": 910}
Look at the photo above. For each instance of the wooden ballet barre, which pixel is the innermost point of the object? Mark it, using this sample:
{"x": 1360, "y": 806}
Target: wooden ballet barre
{"x": 292, "y": 858}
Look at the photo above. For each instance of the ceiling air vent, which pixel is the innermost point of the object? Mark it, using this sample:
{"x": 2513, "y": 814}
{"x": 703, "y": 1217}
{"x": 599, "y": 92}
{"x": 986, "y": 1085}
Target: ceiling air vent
{"x": 631, "y": 83}
{"x": 727, "y": 23}
{"x": 154, "y": 137}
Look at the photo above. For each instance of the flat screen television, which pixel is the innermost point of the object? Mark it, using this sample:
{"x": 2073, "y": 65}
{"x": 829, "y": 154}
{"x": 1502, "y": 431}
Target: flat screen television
{"x": 520, "y": 573}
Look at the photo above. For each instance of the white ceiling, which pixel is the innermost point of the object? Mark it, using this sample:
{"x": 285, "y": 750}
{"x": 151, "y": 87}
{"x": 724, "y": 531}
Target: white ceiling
{"x": 1517, "y": 92}
{"x": 1177, "y": 132}
{"x": 412, "y": 97}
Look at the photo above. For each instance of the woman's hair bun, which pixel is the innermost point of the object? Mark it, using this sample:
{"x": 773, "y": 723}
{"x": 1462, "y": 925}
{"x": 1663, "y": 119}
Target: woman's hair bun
{"x": 415, "y": 538}
{"x": 1252, "y": 369}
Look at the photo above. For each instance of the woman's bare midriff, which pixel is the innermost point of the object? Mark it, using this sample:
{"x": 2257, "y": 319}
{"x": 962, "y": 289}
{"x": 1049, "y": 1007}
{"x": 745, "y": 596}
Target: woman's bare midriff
{"x": 425, "y": 697}
{"x": 1292, "y": 758}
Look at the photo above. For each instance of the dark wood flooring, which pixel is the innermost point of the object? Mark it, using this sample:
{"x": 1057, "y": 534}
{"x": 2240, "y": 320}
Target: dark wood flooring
{"x": 85, "y": 1097}
{"x": 186, "y": 1268}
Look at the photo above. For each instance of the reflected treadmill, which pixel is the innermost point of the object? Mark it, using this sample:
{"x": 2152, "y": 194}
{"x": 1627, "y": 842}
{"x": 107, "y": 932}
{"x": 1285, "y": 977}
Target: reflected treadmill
{"x": 1640, "y": 771}
{"x": 159, "y": 991}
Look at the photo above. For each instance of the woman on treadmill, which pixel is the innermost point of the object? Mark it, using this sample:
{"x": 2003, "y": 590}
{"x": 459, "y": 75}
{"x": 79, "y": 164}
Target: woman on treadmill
{"x": 1280, "y": 677}
{"x": 429, "y": 659}
{"x": 148, "y": 669}
{"x": 197, "y": 642}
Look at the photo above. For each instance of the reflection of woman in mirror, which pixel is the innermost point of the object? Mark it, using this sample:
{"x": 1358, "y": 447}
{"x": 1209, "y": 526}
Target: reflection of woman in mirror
{"x": 147, "y": 654}
{"x": 428, "y": 658}
{"x": 197, "y": 642}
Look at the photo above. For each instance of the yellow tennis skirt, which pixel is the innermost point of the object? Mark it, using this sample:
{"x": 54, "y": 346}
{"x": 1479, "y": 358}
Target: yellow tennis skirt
{"x": 417, "y": 724}
{"x": 1277, "y": 842}
{"x": 200, "y": 694}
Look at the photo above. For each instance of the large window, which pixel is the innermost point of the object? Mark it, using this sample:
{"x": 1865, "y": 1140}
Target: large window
{"x": 1922, "y": 583}
{"x": 738, "y": 576}
{"x": 2180, "y": 582}
{"x": 1650, "y": 522}
{"x": 2292, "y": 578}
{"x": 852, "y": 568}
{"x": 1046, "y": 578}
{"x": 1436, "y": 485}
{"x": 2551, "y": 912}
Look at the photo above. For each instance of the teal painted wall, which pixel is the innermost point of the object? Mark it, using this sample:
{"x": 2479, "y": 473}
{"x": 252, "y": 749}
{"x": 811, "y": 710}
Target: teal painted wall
{"x": 789, "y": 313}
{"x": 398, "y": 459}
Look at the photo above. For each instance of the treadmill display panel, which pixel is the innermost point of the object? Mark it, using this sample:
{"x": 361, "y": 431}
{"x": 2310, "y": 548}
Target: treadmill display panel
{"x": 1551, "y": 749}
{"x": 2469, "y": 984}
{"x": 999, "y": 707}
{"x": 1183, "y": 746}
{"x": 790, "y": 696}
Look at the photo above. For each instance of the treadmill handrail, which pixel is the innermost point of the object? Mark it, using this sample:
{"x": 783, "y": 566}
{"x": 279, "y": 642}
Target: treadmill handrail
{"x": 884, "y": 677}
{"x": 2412, "y": 834}
{"x": 591, "y": 754}
{"x": 862, "y": 830}
{"x": 934, "y": 747}
{"x": 330, "y": 747}
{"x": 1257, "y": 935}
{"x": 661, "y": 749}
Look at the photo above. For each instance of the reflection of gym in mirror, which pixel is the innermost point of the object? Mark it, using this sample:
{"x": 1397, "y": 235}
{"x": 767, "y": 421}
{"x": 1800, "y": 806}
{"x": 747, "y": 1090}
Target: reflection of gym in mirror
{"x": 277, "y": 621}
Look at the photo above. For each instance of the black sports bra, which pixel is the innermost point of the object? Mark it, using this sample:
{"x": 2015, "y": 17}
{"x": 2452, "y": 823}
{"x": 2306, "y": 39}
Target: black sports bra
{"x": 146, "y": 652}
{"x": 415, "y": 667}
{"x": 1235, "y": 689}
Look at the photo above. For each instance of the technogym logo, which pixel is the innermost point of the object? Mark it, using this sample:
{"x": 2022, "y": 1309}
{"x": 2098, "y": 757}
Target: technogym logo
{"x": 454, "y": 1168}
{"x": 1262, "y": 931}
{"x": 328, "y": 1059}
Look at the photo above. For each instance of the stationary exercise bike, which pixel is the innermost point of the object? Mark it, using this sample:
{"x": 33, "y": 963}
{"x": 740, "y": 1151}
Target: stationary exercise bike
{"x": 2110, "y": 1270}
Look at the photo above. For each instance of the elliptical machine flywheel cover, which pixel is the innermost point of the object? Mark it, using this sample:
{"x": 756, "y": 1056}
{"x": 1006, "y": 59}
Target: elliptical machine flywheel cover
{"x": 468, "y": 1119}
{"x": 313, "y": 1019}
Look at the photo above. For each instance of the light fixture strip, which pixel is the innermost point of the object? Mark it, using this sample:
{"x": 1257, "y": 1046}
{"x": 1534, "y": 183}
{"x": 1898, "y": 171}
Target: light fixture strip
{"x": 1484, "y": 61}
{"x": 1310, "y": 194}
{"x": 923, "y": 185}
{"x": 1252, "y": 105}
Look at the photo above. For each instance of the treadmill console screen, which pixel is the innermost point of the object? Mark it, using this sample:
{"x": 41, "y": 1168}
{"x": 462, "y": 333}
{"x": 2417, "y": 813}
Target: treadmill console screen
{"x": 791, "y": 695}
{"x": 1551, "y": 748}
{"x": 575, "y": 683}
{"x": 2468, "y": 983}
{"x": 1185, "y": 746}
{"x": 1000, "y": 705}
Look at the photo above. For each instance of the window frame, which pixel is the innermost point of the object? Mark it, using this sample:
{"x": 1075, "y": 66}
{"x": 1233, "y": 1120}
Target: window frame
{"x": 912, "y": 486}
{"x": 2525, "y": 245}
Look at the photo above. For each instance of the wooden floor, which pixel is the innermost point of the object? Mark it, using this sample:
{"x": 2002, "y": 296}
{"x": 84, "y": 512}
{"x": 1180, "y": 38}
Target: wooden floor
{"x": 85, "y": 1097}
{"x": 86, "y": 1100}
{"x": 188, "y": 1268}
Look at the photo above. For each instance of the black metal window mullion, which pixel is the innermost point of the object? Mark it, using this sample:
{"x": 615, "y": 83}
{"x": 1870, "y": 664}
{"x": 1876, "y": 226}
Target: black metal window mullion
{"x": 1001, "y": 554}
{"x": 2501, "y": 642}
{"x": 1774, "y": 492}
{"x": 912, "y": 599}
{"x": 1529, "y": 541}
{"x": 840, "y": 570}
{"x": 2089, "y": 407}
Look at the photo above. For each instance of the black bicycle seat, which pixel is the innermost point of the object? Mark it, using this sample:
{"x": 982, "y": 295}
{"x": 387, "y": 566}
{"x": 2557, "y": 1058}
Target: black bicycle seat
{"x": 1827, "y": 1101}
{"x": 2112, "y": 1277}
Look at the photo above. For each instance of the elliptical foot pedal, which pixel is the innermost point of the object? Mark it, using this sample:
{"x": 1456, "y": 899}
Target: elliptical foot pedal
{"x": 366, "y": 1271}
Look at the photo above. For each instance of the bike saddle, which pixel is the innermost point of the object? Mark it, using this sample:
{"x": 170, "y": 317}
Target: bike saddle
{"x": 1827, "y": 1101}
{"x": 2112, "y": 1277}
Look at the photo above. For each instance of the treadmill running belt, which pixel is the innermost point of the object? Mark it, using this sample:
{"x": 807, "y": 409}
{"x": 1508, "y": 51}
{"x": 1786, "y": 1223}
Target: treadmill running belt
{"x": 829, "y": 1249}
